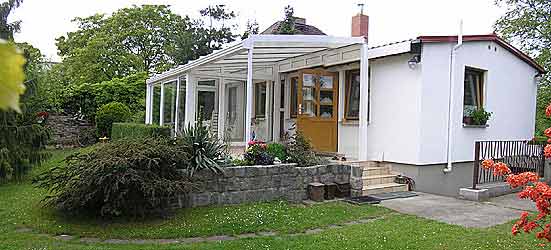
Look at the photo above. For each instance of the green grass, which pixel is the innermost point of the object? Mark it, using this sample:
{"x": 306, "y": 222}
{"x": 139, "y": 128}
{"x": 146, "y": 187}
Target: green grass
{"x": 19, "y": 207}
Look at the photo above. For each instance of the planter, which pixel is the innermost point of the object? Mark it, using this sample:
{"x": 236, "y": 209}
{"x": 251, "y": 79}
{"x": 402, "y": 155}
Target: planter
{"x": 467, "y": 120}
{"x": 343, "y": 190}
{"x": 316, "y": 191}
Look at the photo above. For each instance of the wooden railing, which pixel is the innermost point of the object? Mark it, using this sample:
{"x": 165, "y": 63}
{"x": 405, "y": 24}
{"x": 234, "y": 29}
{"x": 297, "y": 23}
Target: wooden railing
{"x": 520, "y": 156}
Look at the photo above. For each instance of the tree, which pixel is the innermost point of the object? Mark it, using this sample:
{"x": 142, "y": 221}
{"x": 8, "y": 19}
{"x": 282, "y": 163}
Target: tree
{"x": 251, "y": 29}
{"x": 288, "y": 25}
{"x": 7, "y": 29}
{"x": 528, "y": 24}
{"x": 131, "y": 40}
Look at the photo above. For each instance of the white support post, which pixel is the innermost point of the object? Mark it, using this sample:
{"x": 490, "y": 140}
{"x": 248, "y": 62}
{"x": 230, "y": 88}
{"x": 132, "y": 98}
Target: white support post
{"x": 221, "y": 108}
{"x": 268, "y": 111}
{"x": 162, "y": 105}
{"x": 176, "y": 118}
{"x": 276, "y": 107}
{"x": 190, "y": 100}
{"x": 147, "y": 103}
{"x": 364, "y": 103}
{"x": 249, "y": 94}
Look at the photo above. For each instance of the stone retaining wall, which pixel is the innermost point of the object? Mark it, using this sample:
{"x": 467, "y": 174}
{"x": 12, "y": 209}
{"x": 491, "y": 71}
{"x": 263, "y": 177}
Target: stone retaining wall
{"x": 264, "y": 183}
{"x": 65, "y": 129}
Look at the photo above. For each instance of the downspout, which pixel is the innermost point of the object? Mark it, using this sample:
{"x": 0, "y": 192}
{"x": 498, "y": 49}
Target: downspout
{"x": 449, "y": 143}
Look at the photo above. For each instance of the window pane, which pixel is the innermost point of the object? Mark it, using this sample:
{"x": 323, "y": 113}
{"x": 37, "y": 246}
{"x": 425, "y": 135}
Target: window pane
{"x": 169, "y": 107}
{"x": 353, "y": 95}
{"x": 156, "y": 103}
{"x": 473, "y": 90}
{"x": 182, "y": 105}
{"x": 260, "y": 100}
{"x": 294, "y": 96}
{"x": 205, "y": 104}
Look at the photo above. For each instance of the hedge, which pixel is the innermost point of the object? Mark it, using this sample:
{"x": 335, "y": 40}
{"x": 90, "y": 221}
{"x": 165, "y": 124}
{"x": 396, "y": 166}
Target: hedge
{"x": 136, "y": 130}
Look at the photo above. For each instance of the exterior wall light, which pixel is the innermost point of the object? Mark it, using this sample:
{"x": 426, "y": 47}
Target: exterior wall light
{"x": 412, "y": 63}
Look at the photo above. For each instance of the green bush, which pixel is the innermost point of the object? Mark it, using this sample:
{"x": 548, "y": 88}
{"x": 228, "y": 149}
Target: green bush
{"x": 108, "y": 114}
{"x": 135, "y": 130}
{"x": 300, "y": 151}
{"x": 277, "y": 150}
{"x": 480, "y": 116}
{"x": 131, "y": 177}
{"x": 205, "y": 151}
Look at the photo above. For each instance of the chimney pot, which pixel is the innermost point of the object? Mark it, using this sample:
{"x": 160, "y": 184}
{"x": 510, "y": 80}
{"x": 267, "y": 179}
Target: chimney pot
{"x": 360, "y": 25}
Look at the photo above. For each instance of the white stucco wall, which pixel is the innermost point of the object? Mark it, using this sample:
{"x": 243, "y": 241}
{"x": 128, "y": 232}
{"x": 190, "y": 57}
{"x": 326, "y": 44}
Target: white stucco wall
{"x": 510, "y": 93}
{"x": 393, "y": 131}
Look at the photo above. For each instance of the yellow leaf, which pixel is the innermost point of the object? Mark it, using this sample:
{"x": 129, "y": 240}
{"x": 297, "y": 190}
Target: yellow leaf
{"x": 11, "y": 76}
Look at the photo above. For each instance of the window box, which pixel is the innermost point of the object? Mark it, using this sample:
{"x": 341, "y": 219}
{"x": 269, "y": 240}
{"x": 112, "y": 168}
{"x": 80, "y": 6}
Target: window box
{"x": 475, "y": 126}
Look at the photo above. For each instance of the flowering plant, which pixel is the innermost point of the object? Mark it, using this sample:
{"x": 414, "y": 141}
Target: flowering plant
{"x": 533, "y": 189}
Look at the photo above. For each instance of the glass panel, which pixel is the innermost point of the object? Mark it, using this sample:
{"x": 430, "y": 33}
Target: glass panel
{"x": 260, "y": 100}
{"x": 207, "y": 83}
{"x": 282, "y": 95}
{"x": 309, "y": 97}
{"x": 294, "y": 96}
{"x": 308, "y": 80}
{"x": 326, "y": 98}
{"x": 235, "y": 113}
{"x": 169, "y": 107}
{"x": 205, "y": 104}
{"x": 182, "y": 105}
{"x": 353, "y": 95}
{"x": 472, "y": 93}
{"x": 326, "y": 82}
{"x": 156, "y": 103}
{"x": 326, "y": 111}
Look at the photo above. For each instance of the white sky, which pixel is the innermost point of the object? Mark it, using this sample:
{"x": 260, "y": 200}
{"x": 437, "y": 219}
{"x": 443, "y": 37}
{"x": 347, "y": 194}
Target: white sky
{"x": 390, "y": 20}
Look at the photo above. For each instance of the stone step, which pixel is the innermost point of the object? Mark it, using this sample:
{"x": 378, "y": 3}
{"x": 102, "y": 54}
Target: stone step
{"x": 371, "y": 171}
{"x": 378, "y": 179}
{"x": 384, "y": 188}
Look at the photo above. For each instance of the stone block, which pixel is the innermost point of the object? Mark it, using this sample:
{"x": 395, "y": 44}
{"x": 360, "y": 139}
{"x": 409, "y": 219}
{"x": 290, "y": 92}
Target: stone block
{"x": 200, "y": 199}
{"x": 272, "y": 170}
{"x": 262, "y": 171}
{"x": 474, "y": 194}
{"x": 239, "y": 171}
{"x": 356, "y": 171}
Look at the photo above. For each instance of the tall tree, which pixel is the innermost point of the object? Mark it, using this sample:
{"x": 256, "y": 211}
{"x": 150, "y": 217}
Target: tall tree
{"x": 528, "y": 24}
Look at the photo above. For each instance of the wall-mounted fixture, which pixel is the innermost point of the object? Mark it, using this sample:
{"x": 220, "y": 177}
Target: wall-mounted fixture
{"x": 412, "y": 63}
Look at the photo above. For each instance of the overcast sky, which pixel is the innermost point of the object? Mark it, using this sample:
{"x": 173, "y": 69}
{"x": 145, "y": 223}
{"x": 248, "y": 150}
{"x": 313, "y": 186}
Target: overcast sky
{"x": 390, "y": 20}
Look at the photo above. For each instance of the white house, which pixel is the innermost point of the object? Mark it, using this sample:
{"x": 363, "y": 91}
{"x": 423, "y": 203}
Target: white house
{"x": 402, "y": 103}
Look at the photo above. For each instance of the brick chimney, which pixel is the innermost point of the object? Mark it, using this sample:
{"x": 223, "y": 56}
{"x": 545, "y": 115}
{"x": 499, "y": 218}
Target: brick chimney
{"x": 360, "y": 25}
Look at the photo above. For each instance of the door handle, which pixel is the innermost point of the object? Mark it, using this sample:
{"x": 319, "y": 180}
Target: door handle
{"x": 300, "y": 108}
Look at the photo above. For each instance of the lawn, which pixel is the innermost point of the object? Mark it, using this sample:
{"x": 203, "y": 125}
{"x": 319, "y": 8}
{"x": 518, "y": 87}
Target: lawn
{"x": 19, "y": 207}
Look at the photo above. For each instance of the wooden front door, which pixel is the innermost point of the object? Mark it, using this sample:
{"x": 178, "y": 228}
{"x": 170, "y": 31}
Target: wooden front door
{"x": 317, "y": 108}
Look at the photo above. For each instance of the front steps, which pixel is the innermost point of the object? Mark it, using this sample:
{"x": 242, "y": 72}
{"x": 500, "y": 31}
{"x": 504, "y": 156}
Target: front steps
{"x": 377, "y": 178}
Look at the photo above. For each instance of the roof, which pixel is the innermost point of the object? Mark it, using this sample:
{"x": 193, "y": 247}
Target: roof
{"x": 267, "y": 50}
{"x": 490, "y": 37}
{"x": 301, "y": 29}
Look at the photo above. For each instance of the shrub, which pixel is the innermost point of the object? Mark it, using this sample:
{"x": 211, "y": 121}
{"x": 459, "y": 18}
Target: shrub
{"x": 205, "y": 151}
{"x": 300, "y": 151}
{"x": 122, "y": 178}
{"x": 134, "y": 130}
{"x": 277, "y": 150}
{"x": 109, "y": 113}
{"x": 87, "y": 137}
{"x": 256, "y": 154}
{"x": 480, "y": 116}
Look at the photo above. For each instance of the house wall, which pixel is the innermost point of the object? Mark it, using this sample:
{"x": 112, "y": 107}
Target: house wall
{"x": 393, "y": 130}
{"x": 510, "y": 94}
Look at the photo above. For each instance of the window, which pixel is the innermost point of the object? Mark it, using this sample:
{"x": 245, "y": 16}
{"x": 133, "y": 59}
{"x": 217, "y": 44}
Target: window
{"x": 473, "y": 94}
{"x": 294, "y": 96}
{"x": 352, "y": 97}
{"x": 260, "y": 100}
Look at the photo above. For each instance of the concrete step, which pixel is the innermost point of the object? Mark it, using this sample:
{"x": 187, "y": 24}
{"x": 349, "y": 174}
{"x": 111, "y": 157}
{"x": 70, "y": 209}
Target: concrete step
{"x": 371, "y": 171}
{"x": 384, "y": 188}
{"x": 378, "y": 179}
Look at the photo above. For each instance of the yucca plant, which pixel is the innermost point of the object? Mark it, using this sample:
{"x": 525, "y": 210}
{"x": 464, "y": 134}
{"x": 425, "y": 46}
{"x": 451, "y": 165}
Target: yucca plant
{"x": 205, "y": 151}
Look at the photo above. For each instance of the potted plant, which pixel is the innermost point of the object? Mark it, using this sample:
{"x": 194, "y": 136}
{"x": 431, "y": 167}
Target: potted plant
{"x": 479, "y": 116}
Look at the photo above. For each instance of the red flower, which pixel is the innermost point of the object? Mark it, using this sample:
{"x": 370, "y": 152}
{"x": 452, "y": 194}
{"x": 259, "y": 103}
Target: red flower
{"x": 548, "y": 111}
{"x": 487, "y": 164}
{"x": 501, "y": 169}
{"x": 547, "y": 151}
